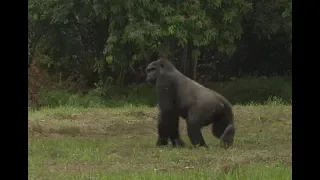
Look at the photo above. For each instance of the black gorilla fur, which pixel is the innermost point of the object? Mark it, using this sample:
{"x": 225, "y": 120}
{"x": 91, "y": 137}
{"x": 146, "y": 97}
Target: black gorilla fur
{"x": 179, "y": 96}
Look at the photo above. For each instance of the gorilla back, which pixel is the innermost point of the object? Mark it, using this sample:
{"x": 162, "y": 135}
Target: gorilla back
{"x": 178, "y": 95}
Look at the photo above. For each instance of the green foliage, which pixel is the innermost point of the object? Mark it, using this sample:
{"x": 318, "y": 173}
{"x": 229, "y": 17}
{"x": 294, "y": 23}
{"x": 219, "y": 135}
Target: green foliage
{"x": 115, "y": 96}
{"x": 244, "y": 90}
{"x": 91, "y": 42}
{"x": 271, "y": 17}
{"x": 274, "y": 90}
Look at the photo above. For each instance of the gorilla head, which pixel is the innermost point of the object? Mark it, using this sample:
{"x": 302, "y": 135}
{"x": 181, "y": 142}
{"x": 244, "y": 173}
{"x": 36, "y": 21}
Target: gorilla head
{"x": 152, "y": 73}
{"x": 157, "y": 68}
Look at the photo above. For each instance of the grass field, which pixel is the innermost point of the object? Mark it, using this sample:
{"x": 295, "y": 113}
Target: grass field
{"x": 119, "y": 143}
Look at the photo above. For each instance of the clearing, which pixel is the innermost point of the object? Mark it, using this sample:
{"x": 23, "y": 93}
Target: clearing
{"x": 119, "y": 143}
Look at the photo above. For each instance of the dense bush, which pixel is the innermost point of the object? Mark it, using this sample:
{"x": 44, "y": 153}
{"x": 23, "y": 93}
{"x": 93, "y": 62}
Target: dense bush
{"x": 239, "y": 91}
{"x": 103, "y": 46}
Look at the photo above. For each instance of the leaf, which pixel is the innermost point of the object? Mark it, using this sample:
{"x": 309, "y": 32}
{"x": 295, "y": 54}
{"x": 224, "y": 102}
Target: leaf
{"x": 171, "y": 29}
{"x": 109, "y": 59}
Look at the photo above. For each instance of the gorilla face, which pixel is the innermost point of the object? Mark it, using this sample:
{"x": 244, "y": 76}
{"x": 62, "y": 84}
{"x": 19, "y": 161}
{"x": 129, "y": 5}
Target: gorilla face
{"x": 157, "y": 68}
{"x": 152, "y": 73}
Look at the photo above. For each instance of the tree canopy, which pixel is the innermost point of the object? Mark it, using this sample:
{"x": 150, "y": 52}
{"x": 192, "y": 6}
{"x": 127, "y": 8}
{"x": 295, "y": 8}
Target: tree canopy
{"x": 111, "y": 41}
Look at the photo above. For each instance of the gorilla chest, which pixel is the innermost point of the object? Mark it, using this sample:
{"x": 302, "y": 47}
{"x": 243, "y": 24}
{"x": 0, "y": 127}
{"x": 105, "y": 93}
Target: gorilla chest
{"x": 165, "y": 98}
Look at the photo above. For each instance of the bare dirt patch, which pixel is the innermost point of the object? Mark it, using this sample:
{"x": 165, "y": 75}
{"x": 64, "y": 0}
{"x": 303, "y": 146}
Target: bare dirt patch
{"x": 142, "y": 122}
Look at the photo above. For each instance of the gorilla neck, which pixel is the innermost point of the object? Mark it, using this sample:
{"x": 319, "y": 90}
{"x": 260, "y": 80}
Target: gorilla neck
{"x": 170, "y": 68}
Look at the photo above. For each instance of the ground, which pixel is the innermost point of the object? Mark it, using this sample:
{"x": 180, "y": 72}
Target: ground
{"x": 119, "y": 143}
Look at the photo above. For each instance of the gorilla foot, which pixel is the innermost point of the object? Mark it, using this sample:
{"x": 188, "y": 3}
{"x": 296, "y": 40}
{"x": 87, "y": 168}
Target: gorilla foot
{"x": 178, "y": 143}
{"x": 162, "y": 142}
{"x": 225, "y": 145}
{"x": 227, "y": 137}
{"x": 200, "y": 145}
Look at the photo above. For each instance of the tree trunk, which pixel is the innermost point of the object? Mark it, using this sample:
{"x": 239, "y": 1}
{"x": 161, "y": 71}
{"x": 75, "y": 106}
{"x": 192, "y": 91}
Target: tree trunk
{"x": 194, "y": 63}
{"x": 194, "y": 66}
{"x": 188, "y": 65}
{"x": 184, "y": 61}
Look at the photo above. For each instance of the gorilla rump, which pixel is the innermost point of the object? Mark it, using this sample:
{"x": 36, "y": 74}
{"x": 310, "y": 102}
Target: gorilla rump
{"x": 179, "y": 96}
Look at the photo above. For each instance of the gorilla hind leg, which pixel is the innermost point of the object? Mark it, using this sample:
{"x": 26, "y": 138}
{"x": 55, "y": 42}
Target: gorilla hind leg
{"x": 194, "y": 125}
{"x": 224, "y": 129}
{"x": 195, "y": 135}
{"x": 218, "y": 128}
{"x": 227, "y": 136}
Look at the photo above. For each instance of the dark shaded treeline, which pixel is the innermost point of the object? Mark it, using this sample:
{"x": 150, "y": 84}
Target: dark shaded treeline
{"x": 86, "y": 43}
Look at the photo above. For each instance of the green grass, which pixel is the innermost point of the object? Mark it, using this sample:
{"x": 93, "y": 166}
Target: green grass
{"x": 119, "y": 143}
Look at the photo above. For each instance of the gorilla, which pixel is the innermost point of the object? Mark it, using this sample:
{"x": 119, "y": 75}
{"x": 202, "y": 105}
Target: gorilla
{"x": 179, "y": 96}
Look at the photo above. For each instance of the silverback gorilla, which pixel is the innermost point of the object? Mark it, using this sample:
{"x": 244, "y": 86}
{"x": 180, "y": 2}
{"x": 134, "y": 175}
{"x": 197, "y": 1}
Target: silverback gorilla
{"x": 179, "y": 96}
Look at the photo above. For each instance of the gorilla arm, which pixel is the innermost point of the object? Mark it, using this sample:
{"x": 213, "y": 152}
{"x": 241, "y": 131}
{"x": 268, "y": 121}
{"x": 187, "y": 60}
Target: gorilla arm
{"x": 168, "y": 118}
